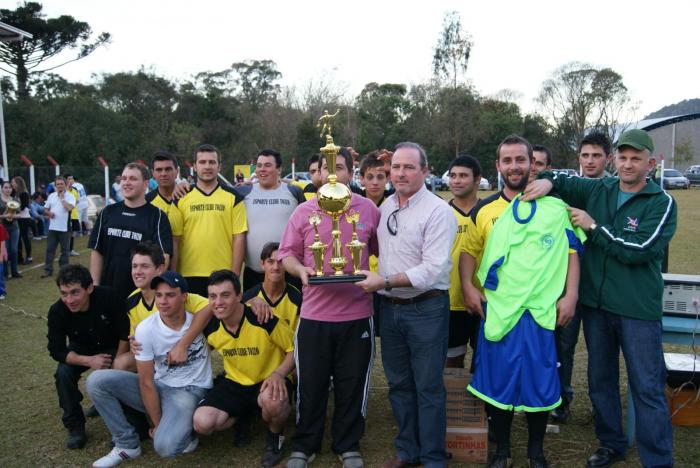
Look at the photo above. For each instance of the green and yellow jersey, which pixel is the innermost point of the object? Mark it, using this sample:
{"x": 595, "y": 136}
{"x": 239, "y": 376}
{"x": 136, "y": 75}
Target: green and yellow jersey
{"x": 256, "y": 349}
{"x": 286, "y": 307}
{"x": 210, "y": 220}
{"x": 139, "y": 309}
{"x": 169, "y": 208}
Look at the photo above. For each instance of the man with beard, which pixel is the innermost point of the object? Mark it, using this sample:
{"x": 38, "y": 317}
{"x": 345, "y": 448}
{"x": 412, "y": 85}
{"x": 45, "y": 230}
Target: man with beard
{"x": 514, "y": 158}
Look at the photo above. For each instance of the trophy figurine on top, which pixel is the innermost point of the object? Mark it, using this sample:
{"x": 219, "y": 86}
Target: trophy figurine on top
{"x": 334, "y": 201}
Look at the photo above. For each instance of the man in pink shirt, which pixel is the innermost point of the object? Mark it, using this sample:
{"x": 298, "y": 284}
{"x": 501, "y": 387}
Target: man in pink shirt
{"x": 335, "y": 336}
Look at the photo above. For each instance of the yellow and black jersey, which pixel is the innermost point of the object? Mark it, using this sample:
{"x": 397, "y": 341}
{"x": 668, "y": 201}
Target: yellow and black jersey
{"x": 287, "y": 307}
{"x": 255, "y": 350}
{"x": 310, "y": 191}
{"x": 74, "y": 213}
{"x": 481, "y": 219}
{"x": 168, "y": 207}
{"x": 456, "y": 298}
{"x": 210, "y": 220}
{"x": 139, "y": 310}
{"x": 373, "y": 260}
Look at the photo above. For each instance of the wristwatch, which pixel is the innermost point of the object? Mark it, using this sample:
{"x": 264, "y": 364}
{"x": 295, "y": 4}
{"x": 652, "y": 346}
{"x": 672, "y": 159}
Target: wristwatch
{"x": 593, "y": 227}
{"x": 387, "y": 284}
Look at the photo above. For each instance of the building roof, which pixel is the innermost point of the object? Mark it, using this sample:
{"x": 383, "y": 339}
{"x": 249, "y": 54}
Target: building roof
{"x": 11, "y": 34}
{"x": 651, "y": 124}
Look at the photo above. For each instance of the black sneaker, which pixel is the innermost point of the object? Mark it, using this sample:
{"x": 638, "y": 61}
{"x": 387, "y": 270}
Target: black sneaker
{"x": 560, "y": 414}
{"x": 76, "y": 438}
{"x": 241, "y": 434}
{"x": 272, "y": 454}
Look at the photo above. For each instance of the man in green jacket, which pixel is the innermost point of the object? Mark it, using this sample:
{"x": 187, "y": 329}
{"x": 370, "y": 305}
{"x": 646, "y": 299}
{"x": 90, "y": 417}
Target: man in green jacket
{"x": 629, "y": 221}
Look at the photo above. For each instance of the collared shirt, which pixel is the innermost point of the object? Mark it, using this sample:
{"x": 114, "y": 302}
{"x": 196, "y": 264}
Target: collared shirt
{"x": 426, "y": 229}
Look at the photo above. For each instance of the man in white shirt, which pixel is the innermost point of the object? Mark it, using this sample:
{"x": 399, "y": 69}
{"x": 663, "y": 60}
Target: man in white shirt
{"x": 168, "y": 394}
{"x": 57, "y": 209}
{"x": 416, "y": 232}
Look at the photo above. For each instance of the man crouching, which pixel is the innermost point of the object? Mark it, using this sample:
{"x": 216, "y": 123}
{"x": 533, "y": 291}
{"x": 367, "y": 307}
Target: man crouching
{"x": 167, "y": 394}
{"x": 257, "y": 360}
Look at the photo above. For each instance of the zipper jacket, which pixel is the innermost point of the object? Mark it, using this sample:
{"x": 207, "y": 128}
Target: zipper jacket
{"x": 621, "y": 268}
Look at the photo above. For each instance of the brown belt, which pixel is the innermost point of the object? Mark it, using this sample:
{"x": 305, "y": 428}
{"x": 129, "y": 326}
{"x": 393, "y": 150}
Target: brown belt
{"x": 413, "y": 300}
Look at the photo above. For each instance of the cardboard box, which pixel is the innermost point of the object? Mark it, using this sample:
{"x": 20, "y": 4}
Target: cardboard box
{"x": 684, "y": 407}
{"x": 467, "y": 427}
{"x": 467, "y": 444}
{"x": 462, "y": 408}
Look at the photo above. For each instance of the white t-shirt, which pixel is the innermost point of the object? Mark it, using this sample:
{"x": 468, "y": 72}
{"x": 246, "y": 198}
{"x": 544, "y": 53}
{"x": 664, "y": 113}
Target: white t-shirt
{"x": 157, "y": 339}
{"x": 60, "y": 221}
{"x": 82, "y": 195}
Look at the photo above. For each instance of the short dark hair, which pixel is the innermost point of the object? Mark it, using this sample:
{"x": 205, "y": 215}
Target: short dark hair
{"x": 545, "y": 150}
{"x": 139, "y": 167}
{"x": 315, "y": 158}
{"x": 74, "y": 273}
{"x": 221, "y": 276}
{"x": 149, "y": 249}
{"x": 370, "y": 161}
{"x": 268, "y": 249}
{"x": 58, "y": 177}
{"x": 597, "y": 138}
{"x": 207, "y": 148}
{"x": 514, "y": 139}
{"x": 343, "y": 153}
{"x": 163, "y": 155}
{"x": 274, "y": 154}
{"x": 68, "y": 175}
{"x": 468, "y": 161}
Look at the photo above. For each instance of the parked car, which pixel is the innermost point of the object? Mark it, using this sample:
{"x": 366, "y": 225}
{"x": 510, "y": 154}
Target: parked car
{"x": 693, "y": 175}
{"x": 438, "y": 181}
{"x": 674, "y": 179}
{"x": 566, "y": 172}
{"x": 95, "y": 205}
{"x": 483, "y": 185}
{"x": 298, "y": 176}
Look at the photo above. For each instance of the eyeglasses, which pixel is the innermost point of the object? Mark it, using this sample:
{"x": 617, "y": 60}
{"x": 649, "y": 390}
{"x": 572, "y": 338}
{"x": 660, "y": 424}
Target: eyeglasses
{"x": 392, "y": 222}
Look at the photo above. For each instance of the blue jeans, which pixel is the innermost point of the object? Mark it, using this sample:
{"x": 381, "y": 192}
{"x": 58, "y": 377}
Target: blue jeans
{"x": 12, "y": 245}
{"x": 640, "y": 341}
{"x": 108, "y": 388}
{"x": 566, "y": 339}
{"x": 414, "y": 347}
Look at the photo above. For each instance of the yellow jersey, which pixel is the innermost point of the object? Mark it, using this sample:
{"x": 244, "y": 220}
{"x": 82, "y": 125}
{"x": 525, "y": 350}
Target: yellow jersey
{"x": 256, "y": 349}
{"x": 139, "y": 310}
{"x": 286, "y": 307}
{"x": 74, "y": 215}
{"x": 169, "y": 208}
{"x": 456, "y": 297}
{"x": 310, "y": 191}
{"x": 210, "y": 220}
{"x": 481, "y": 219}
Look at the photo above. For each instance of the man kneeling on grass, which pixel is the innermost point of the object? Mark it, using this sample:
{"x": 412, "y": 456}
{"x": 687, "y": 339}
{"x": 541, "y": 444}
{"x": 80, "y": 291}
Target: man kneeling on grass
{"x": 168, "y": 394}
{"x": 257, "y": 359}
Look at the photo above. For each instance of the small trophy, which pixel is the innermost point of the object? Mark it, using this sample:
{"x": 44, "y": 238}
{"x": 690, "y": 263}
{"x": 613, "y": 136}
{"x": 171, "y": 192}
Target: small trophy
{"x": 334, "y": 201}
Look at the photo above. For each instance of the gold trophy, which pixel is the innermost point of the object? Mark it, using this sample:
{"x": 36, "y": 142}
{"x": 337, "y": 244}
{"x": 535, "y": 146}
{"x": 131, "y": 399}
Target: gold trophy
{"x": 334, "y": 201}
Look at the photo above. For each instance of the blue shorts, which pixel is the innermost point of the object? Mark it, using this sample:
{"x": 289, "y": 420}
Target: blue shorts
{"x": 519, "y": 372}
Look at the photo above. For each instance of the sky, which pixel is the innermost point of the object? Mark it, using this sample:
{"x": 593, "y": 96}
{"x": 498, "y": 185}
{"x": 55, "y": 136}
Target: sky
{"x": 517, "y": 44}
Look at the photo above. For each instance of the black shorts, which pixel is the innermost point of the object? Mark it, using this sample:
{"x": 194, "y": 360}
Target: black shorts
{"x": 236, "y": 399}
{"x": 463, "y": 329}
{"x": 75, "y": 225}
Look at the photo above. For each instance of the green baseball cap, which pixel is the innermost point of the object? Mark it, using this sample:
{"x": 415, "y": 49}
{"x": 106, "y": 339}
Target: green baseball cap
{"x": 637, "y": 139}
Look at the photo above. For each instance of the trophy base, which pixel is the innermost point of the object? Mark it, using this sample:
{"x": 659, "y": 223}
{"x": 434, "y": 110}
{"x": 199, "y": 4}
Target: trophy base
{"x": 319, "y": 280}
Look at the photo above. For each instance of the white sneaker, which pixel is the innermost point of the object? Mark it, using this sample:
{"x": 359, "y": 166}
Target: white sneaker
{"x": 116, "y": 456}
{"x": 73, "y": 253}
{"x": 192, "y": 446}
{"x": 2, "y": 297}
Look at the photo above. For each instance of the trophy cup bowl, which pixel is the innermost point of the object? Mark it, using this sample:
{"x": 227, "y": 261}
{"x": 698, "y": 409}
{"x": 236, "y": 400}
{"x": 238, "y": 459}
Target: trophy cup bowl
{"x": 334, "y": 200}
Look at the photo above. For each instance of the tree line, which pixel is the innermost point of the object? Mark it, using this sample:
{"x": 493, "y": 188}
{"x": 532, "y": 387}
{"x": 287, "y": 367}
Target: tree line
{"x": 128, "y": 115}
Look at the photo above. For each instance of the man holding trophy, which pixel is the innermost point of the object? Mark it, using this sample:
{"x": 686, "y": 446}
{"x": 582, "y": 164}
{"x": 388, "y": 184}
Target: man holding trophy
{"x": 326, "y": 243}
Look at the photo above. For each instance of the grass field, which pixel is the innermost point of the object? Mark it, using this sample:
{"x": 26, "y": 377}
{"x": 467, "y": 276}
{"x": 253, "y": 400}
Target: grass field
{"x": 32, "y": 433}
